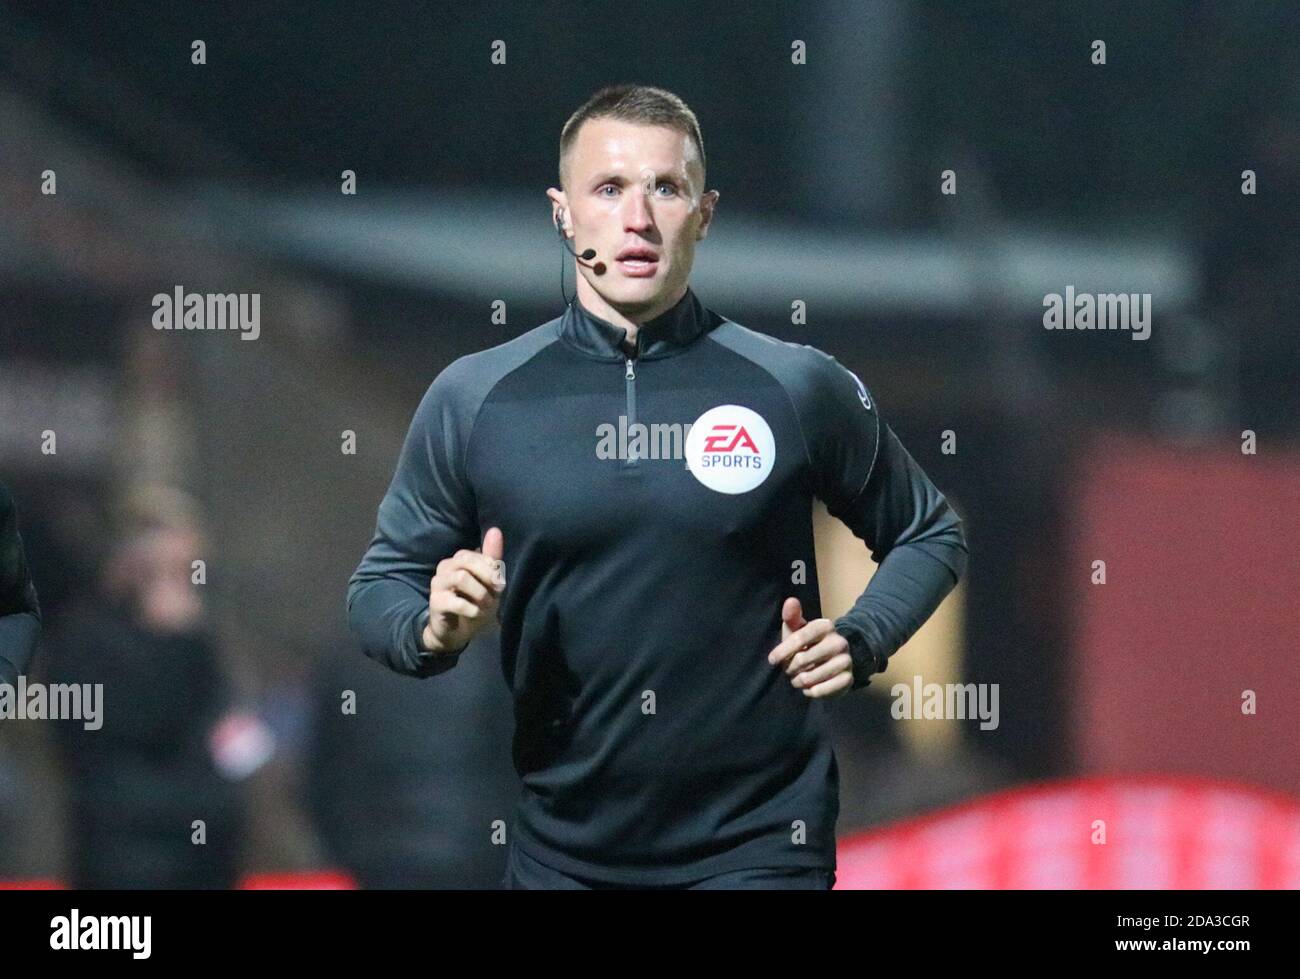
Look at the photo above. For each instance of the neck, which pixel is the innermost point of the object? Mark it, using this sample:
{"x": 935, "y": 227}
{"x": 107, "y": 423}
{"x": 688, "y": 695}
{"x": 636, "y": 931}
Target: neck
{"x": 629, "y": 318}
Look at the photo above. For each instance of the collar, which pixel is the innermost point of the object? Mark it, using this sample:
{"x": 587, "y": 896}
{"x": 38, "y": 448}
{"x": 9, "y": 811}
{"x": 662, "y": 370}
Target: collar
{"x": 669, "y": 333}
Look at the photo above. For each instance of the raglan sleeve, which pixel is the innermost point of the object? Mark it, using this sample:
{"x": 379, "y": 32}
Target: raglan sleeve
{"x": 427, "y": 514}
{"x": 868, "y": 480}
{"x": 20, "y": 615}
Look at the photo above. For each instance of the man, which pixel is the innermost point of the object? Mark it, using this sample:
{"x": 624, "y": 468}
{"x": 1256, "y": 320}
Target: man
{"x": 660, "y": 622}
{"x": 20, "y": 615}
{"x": 135, "y": 785}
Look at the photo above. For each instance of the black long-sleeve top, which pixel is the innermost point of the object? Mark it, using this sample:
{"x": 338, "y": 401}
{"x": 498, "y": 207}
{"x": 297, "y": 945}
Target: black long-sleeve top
{"x": 656, "y": 507}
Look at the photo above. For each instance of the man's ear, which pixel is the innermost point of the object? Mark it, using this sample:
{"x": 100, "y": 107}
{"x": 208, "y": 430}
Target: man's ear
{"x": 708, "y": 201}
{"x": 559, "y": 207}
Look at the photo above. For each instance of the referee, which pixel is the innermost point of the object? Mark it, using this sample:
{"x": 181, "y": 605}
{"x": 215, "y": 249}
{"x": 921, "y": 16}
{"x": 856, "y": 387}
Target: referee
{"x": 628, "y": 489}
{"x": 20, "y": 616}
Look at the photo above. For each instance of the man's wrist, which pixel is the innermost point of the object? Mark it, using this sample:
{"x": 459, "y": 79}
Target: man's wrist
{"x": 428, "y": 646}
{"x": 865, "y": 660}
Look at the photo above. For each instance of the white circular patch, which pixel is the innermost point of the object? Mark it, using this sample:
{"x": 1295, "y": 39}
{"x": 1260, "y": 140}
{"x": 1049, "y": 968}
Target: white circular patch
{"x": 730, "y": 449}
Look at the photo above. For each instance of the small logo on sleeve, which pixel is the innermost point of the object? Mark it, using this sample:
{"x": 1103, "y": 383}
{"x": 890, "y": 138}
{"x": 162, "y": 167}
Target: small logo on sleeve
{"x": 730, "y": 449}
{"x": 862, "y": 391}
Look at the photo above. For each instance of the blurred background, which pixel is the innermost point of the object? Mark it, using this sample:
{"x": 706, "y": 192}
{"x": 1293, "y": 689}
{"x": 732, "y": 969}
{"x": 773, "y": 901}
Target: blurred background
{"x": 133, "y": 161}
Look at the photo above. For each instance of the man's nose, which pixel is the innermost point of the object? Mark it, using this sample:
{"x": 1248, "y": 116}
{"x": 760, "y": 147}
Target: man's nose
{"x": 637, "y": 215}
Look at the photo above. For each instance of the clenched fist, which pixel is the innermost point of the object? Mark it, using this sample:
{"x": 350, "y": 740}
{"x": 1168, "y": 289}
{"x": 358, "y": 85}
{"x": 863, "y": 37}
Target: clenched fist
{"x": 814, "y": 655}
{"x": 463, "y": 594}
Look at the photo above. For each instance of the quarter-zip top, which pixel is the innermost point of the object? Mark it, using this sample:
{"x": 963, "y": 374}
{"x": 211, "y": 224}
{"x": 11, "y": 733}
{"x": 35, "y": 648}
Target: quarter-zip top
{"x": 654, "y": 741}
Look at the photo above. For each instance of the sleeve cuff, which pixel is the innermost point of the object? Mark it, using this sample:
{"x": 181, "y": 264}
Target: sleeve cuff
{"x": 865, "y": 659}
{"x": 427, "y": 663}
{"x": 8, "y": 672}
{"x": 19, "y": 634}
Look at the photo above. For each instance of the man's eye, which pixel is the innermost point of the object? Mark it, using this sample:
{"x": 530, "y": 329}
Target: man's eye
{"x": 604, "y": 187}
{"x": 672, "y": 187}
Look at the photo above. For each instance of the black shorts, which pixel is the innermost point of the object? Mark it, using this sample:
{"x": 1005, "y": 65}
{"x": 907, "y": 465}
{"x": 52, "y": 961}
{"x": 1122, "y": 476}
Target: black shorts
{"x": 523, "y": 873}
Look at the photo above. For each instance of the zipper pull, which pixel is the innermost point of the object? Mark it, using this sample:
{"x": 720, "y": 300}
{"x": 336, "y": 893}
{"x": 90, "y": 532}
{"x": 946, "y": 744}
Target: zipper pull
{"x": 630, "y": 375}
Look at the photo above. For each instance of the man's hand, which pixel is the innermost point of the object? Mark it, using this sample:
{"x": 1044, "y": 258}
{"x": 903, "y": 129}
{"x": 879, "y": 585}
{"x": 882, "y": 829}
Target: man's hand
{"x": 814, "y": 655}
{"x": 463, "y": 594}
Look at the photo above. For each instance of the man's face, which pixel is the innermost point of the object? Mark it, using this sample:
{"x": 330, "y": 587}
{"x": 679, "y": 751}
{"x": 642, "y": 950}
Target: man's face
{"x": 635, "y": 187}
{"x": 155, "y": 567}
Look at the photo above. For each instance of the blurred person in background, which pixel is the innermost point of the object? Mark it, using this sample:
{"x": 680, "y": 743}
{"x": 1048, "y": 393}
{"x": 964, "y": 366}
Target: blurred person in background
{"x": 137, "y": 784}
{"x": 20, "y": 615}
{"x": 20, "y": 626}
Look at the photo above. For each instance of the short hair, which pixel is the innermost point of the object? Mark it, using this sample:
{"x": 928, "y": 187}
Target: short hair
{"x": 644, "y": 104}
{"x": 147, "y": 507}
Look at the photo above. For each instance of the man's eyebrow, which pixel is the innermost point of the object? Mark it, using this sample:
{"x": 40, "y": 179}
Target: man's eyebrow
{"x": 618, "y": 178}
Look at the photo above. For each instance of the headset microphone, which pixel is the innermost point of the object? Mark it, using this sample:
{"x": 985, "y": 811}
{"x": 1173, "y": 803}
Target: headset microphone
{"x": 586, "y": 256}
{"x": 584, "y": 259}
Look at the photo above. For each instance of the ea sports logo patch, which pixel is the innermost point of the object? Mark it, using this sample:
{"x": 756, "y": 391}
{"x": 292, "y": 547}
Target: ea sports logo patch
{"x": 730, "y": 449}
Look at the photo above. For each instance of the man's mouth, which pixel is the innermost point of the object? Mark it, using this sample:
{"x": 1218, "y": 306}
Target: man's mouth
{"x": 638, "y": 261}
